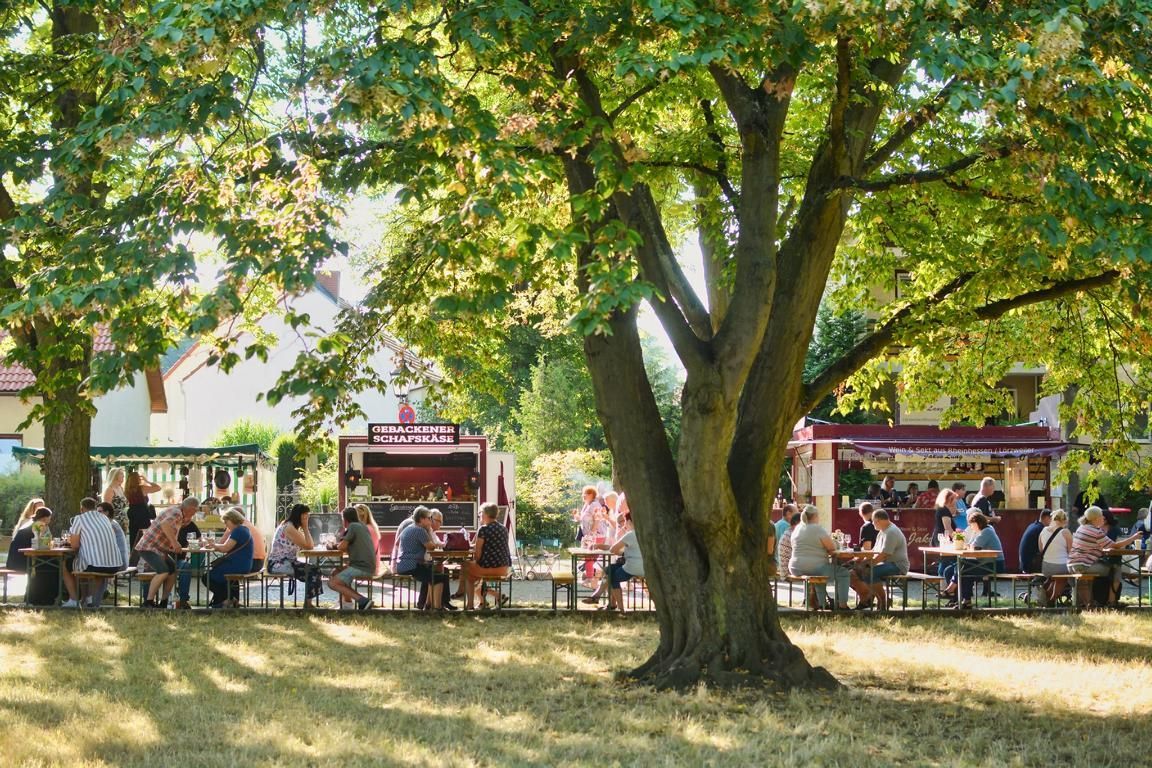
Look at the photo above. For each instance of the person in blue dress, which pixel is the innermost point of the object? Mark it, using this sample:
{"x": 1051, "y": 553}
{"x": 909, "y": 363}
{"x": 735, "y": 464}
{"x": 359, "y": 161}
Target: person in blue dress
{"x": 237, "y": 558}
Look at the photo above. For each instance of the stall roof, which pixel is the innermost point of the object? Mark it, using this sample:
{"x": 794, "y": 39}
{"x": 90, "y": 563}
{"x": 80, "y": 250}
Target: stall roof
{"x": 933, "y": 442}
{"x": 144, "y": 453}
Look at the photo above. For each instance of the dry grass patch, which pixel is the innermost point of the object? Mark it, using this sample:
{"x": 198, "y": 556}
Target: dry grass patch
{"x": 127, "y": 689}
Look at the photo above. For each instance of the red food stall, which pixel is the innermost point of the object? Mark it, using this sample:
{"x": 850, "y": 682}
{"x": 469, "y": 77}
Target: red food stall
{"x": 398, "y": 466}
{"x": 1019, "y": 459}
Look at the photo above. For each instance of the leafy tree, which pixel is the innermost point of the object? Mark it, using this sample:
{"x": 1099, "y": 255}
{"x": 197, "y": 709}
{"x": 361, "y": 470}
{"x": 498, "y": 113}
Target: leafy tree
{"x": 249, "y": 432}
{"x": 550, "y": 487}
{"x": 557, "y": 412}
{"x": 127, "y": 137}
{"x": 547, "y": 158}
{"x": 288, "y": 464}
{"x": 834, "y": 336}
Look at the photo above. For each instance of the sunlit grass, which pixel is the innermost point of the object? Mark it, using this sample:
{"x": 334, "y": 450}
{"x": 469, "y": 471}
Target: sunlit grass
{"x": 124, "y": 688}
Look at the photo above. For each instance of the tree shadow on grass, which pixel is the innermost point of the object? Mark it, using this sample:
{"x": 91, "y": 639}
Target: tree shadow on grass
{"x": 254, "y": 690}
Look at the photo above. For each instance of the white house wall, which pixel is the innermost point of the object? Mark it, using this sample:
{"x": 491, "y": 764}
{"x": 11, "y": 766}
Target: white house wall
{"x": 202, "y": 400}
{"x": 123, "y": 417}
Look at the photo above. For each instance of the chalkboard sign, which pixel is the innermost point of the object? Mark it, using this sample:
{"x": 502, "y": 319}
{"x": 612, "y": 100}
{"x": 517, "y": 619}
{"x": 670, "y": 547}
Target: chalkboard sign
{"x": 457, "y": 514}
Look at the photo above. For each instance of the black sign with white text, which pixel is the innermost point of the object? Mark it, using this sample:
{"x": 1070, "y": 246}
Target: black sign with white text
{"x": 414, "y": 434}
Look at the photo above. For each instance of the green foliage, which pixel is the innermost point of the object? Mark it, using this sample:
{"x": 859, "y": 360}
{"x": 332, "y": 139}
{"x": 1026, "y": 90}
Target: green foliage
{"x": 854, "y": 483}
{"x": 550, "y": 487}
{"x": 557, "y": 412}
{"x": 1117, "y": 489}
{"x": 319, "y": 489}
{"x": 288, "y": 464}
{"x": 249, "y": 432}
{"x": 834, "y": 336}
{"x": 16, "y": 488}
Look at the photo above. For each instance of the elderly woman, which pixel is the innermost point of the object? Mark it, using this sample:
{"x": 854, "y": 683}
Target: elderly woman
{"x": 1055, "y": 544}
{"x": 237, "y": 551}
{"x": 1087, "y": 554}
{"x": 985, "y": 538}
{"x": 785, "y": 549}
{"x": 291, "y": 536}
{"x": 414, "y": 543}
{"x": 812, "y": 550}
{"x": 491, "y": 558}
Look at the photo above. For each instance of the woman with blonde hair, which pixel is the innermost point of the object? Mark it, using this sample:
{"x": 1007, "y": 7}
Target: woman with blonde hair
{"x": 114, "y": 495}
{"x": 29, "y": 512}
{"x": 364, "y": 515}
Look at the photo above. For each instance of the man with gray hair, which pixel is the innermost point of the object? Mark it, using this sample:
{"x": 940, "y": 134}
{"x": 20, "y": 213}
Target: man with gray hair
{"x": 160, "y": 544}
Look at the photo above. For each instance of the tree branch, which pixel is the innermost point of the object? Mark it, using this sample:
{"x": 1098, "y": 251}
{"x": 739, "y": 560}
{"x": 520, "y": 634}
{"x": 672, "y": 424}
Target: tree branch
{"x": 926, "y": 176}
{"x": 630, "y": 100}
{"x": 924, "y": 115}
{"x": 875, "y": 343}
{"x": 726, "y": 187}
{"x": 721, "y": 155}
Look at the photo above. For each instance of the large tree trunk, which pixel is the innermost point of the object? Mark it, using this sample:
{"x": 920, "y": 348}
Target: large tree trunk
{"x": 705, "y": 559}
{"x": 67, "y": 466}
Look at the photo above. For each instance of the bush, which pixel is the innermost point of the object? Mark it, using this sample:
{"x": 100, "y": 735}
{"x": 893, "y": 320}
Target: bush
{"x": 247, "y": 432}
{"x": 15, "y": 490}
{"x": 549, "y": 488}
{"x": 288, "y": 464}
{"x": 320, "y": 489}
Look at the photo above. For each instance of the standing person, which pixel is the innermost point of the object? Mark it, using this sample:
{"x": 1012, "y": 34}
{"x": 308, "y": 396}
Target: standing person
{"x": 1029, "y": 550}
{"x": 585, "y": 515}
{"x": 490, "y": 558}
{"x": 985, "y": 538}
{"x": 26, "y": 517}
{"x": 415, "y": 543}
{"x": 159, "y": 547}
{"x": 97, "y": 548}
{"x": 291, "y": 536}
{"x": 114, "y": 495}
{"x": 945, "y": 523}
{"x": 983, "y": 501}
{"x": 362, "y": 561}
{"x": 867, "y": 530}
{"x": 140, "y": 512}
{"x": 237, "y": 559}
{"x": 888, "y": 493}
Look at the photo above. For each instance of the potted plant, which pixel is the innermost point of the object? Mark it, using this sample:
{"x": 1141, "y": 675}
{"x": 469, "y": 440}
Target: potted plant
{"x": 958, "y": 541}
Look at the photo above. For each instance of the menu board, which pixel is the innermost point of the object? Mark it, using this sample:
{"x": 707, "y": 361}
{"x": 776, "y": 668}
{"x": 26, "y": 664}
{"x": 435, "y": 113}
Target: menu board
{"x": 457, "y": 514}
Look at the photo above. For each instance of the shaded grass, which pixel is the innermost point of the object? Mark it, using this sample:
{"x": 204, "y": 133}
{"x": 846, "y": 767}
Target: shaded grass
{"x": 125, "y": 688}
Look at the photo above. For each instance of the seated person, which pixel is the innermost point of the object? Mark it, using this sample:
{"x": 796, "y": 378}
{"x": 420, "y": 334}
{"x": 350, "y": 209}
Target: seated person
{"x": 986, "y": 538}
{"x": 98, "y": 550}
{"x": 867, "y": 530}
{"x": 490, "y": 558}
{"x": 630, "y": 565}
{"x": 237, "y": 549}
{"x": 414, "y": 544}
{"x": 44, "y": 584}
{"x": 291, "y": 536}
{"x": 812, "y": 550}
{"x": 357, "y": 542}
{"x": 1087, "y": 556}
{"x": 927, "y": 498}
{"x": 891, "y": 559}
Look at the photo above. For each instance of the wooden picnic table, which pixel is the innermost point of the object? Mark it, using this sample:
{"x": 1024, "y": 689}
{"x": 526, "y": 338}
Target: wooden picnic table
{"x": 38, "y": 556}
{"x": 961, "y": 555}
{"x": 586, "y": 553}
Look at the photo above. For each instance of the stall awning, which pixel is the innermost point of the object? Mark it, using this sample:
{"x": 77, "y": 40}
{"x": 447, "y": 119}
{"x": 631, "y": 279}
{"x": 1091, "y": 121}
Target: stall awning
{"x": 933, "y": 443}
{"x": 155, "y": 453}
{"x": 958, "y": 450}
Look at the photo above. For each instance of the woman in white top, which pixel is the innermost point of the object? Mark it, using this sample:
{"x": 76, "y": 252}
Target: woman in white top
{"x": 812, "y": 550}
{"x": 1055, "y": 542}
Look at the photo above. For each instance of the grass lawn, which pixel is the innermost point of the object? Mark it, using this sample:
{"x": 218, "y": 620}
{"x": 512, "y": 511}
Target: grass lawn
{"x": 172, "y": 689}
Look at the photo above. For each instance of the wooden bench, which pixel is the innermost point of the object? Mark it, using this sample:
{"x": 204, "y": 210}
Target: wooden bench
{"x": 402, "y": 584}
{"x": 281, "y": 580}
{"x": 809, "y": 582}
{"x": 241, "y": 581}
{"x": 1076, "y": 580}
{"x": 563, "y": 580}
{"x": 1014, "y": 580}
{"x": 5, "y": 574}
{"x": 638, "y": 593}
{"x": 496, "y": 583}
{"x": 925, "y": 580}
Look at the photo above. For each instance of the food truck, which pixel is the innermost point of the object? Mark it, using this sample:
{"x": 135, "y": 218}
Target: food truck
{"x": 1020, "y": 460}
{"x": 395, "y": 467}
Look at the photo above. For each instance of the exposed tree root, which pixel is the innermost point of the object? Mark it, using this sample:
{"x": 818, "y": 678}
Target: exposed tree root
{"x": 782, "y": 668}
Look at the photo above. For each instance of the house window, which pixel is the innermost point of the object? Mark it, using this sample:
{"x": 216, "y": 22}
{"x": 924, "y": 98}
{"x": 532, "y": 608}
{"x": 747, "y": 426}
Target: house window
{"x": 903, "y": 282}
{"x": 8, "y": 462}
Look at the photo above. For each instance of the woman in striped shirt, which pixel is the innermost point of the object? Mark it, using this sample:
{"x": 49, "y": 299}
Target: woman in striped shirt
{"x": 1086, "y": 555}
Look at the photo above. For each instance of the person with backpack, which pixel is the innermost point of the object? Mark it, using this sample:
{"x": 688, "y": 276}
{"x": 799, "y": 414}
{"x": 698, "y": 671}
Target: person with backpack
{"x": 1055, "y": 543}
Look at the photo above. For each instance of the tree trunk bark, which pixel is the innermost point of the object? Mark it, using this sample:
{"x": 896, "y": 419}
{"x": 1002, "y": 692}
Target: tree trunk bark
{"x": 67, "y": 466}
{"x": 705, "y": 561}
